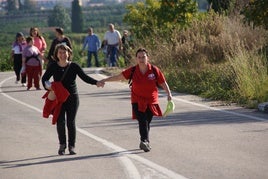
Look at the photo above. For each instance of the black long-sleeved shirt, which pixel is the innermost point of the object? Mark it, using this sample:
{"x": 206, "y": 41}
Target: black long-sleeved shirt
{"x": 55, "y": 42}
{"x": 69, "y": 81}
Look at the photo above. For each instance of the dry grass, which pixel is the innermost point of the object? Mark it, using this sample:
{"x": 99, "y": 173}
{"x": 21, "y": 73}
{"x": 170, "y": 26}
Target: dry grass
{"x": 208, "y": 58}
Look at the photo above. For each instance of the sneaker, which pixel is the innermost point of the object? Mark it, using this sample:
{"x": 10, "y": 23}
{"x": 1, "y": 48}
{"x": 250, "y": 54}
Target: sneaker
{"x": 23, "y": 84}
{"x": 145, "y": 146}
{"x": 71, "y": 150}
{"x": 61, "y": 150}
{"x": 148, "y": 145}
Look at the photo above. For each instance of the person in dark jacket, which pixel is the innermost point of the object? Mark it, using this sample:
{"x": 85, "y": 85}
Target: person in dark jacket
{"x": 62, "y": 56}
{"x": 60, "y": 38}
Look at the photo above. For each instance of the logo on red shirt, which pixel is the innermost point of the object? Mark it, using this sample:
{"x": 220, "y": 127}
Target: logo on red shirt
{"x": 151, "y": 76}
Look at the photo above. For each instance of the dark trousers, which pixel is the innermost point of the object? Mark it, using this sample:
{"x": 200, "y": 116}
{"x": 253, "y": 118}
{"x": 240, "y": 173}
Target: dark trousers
{"x": 17, "y": 67}
{"x": 144, "y": 119}
{"x": 67, "y": 114}
{"x": 89, "y": 55}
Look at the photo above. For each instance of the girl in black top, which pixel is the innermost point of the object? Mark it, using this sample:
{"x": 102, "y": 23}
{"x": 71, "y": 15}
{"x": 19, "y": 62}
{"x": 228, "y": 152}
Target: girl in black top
{"x": 62, "y": 56}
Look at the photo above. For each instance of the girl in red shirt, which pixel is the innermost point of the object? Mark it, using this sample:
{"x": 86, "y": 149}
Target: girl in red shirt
{"x": 144, "y": 93}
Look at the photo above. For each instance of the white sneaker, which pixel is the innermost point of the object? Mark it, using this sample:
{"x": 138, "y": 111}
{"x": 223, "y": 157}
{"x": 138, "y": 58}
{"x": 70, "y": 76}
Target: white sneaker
{"x": 23, "y": 84}
{"x": 145, "y": 146}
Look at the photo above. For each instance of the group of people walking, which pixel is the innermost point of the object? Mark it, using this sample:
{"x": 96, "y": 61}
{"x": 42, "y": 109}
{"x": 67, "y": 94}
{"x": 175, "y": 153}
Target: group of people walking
{"x": 145, "y": 79}
{"x": 112, "y": 44}
{"x": 28, "y": 54}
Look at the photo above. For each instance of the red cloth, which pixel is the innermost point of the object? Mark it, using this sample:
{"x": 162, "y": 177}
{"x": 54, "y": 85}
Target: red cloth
{"x": 54, "y": 107}
{"x": 33, "y": 75}
{"x": 155, "y": 109}
{"x": 144, "y": 89}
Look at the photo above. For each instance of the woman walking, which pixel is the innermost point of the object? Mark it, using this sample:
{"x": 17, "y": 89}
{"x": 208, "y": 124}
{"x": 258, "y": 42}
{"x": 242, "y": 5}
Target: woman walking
{"x": 62, "y": 56}
{"x": 144, "y": 93}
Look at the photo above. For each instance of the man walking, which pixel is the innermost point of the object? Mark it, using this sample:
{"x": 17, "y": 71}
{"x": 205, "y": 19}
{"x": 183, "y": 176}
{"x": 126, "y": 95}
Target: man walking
{"x": 93, "y": 43}
{"x": 113, "y": 39}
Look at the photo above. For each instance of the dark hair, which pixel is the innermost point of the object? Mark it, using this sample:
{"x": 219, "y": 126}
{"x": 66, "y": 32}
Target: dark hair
{"x": 29, "y": 39}
{"x": 59, "y": 30}
{"x": 19, "y": 34}
{"x": 62, "y": 46}
{"x": 142, "y": 50}
{"x": 38, "y": 32}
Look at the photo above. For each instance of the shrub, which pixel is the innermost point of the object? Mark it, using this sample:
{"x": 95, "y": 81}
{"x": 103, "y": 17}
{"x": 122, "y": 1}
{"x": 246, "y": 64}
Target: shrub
{"x": 250, "y": 75}
{"x": 6, "y": 62}
{"x": 198, "y": 59}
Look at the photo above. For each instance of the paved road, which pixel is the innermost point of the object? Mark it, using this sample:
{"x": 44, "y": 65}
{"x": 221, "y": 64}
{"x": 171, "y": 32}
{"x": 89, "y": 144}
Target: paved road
{"x": 200, "y": 140}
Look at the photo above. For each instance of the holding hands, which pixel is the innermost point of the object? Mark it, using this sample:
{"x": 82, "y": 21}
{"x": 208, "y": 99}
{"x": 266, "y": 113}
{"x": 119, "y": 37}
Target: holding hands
{"x": 100, "y": 84}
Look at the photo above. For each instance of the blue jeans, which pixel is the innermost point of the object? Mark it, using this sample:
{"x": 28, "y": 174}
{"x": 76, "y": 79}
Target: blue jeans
{"x": 112, "y": 52}
{"x": 89, "y": 54}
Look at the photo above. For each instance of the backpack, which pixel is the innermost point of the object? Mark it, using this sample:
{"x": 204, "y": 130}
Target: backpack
{"x": 32, "y": 56}
{"x": 132, "y": 72}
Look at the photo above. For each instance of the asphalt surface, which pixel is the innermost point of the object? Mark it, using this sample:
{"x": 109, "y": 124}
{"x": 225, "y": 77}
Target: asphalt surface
{"x": 200, "y": 140}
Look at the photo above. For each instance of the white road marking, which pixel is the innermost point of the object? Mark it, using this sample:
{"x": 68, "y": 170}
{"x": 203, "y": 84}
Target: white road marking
{"x": 164, "y": 171}
{"x": 14, "y": 99}
{"x": 221, "y": 110}
{"x": 207, "y": 107}
{"x": 124, "y": 157}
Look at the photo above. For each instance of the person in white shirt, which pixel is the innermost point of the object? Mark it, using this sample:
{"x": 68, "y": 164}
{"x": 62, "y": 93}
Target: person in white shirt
{"x": 17, "y": 47}
{"x": 113, "y": 39}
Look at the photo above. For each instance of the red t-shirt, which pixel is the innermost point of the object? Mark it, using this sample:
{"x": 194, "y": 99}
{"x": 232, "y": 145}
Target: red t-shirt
{"x": 144, "y": 88}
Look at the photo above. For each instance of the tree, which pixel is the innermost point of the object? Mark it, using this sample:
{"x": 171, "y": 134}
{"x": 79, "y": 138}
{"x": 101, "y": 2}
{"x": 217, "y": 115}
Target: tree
{"x": 27, "y": 5}
{"x": 21, "y": 5}
{"x": 159, "y": 17}
{"x": 11, "y": 5}
{"x": 77, "y": 17}
{"x": 59, "y": 17}
{"x": 257, "y": 12}
{"x": 176, "y": 12}
{"x": 220, "y": 6}
{"x": 142, "y": 18}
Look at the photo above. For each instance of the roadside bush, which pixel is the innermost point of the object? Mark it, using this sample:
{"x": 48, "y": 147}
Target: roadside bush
{"x": 250, "y": 75}
{"x": 6, "y": 62}
{"x": 212, "y": 38}
{"x": 213, "y": 81}
{"x": 198, "y": 59}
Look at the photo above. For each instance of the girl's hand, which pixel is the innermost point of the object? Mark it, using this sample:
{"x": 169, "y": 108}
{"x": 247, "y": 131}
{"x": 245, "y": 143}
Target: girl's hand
{"x": 169, "y": 97}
